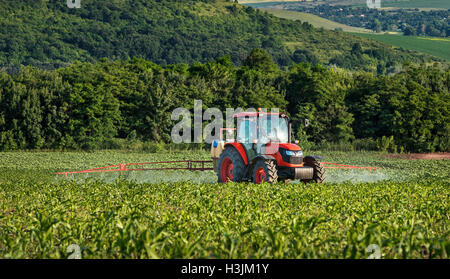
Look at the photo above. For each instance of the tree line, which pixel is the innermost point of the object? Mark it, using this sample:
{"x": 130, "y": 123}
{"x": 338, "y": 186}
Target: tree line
{"x": 90, "y": 105}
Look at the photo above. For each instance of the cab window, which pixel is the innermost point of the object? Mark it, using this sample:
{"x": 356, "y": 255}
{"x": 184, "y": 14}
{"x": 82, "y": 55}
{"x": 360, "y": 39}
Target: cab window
{"x": 246, "y": 132}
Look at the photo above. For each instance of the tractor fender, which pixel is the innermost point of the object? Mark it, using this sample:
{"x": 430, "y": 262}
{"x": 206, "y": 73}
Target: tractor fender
{"x": 240, "y": 149}
{"x": 264, "y": 157}
{"x": 315, "y": 157}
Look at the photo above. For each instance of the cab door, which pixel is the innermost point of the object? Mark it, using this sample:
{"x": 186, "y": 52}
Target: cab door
{"x": 247, "y": 135}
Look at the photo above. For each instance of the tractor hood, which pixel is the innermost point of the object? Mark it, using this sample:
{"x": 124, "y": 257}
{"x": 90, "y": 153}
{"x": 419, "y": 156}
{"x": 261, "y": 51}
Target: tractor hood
{"x": 289, "y": 146}
{"x": 273, "y": 148}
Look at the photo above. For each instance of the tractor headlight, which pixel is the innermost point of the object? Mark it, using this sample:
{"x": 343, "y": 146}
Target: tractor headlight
{"x": 294, "y": 153}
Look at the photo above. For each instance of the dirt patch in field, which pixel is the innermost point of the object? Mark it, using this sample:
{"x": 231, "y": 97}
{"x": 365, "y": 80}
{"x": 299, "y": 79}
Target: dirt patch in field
{"x": 420, "y": 156}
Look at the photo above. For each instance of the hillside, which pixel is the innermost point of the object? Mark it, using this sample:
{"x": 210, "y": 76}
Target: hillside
{"x": 49, "y": 34}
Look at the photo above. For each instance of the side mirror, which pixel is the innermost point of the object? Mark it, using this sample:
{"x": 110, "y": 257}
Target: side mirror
{"x": 306, "y": 122}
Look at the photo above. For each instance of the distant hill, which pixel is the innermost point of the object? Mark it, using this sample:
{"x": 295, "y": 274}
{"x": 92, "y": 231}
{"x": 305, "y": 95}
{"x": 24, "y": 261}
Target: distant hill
{"x": 48, "y": 34}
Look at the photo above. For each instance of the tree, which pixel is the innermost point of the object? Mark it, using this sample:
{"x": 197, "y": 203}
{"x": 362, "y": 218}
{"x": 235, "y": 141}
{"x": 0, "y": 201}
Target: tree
{"x": 357, "y": 49}
{"x": 409, "y": 31}
{"x": 259, "y": 59}
{"x": 305, "y": 56}
{"x": 376, "y": 26}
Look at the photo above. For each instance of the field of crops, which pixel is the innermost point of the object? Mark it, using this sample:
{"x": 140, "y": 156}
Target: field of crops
{"x": 439, "y": 47}
{"x": 402, "y": 209}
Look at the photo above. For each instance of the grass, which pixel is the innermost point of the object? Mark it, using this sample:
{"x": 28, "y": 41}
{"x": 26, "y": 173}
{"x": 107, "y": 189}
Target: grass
{"x": 314, "y": 20}
{"x": 440, "y": 4}
{"x": 403, "y": 208}
{"x": 439, "y": 47}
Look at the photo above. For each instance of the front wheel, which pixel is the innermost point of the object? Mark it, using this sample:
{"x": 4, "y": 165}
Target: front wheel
{"x": 265, "y": 171}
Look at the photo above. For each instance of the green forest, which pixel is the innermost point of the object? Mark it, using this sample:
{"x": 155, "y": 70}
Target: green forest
{"x": 92, "y": 105}
{"x": 49, "y": 35}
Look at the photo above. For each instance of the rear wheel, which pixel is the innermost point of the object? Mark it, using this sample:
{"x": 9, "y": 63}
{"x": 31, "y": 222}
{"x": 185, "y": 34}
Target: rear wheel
{"x": 319, "y": 170}
{"x": 231, "y": 166}
{"x": 265, "y": 171}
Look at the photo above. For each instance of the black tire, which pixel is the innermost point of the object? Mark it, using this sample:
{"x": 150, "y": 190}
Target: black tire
{"x": 319, "y": 171}
{"x": 270, "y": 171}
{"x": 238, "y": 164}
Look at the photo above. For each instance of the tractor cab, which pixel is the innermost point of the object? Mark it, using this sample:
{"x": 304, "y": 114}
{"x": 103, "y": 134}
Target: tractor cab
{"x": 262, "y": 151}
{"x": 262, "y": 133}
{"x": 262, "y": 128}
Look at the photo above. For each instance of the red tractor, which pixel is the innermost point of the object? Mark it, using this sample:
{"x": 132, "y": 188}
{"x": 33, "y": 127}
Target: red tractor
{"x": 263, "y": 152}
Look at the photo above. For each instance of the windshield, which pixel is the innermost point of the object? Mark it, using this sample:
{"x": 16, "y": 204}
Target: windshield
{"x": 273, "y": 129}
{"x": 246, "y": 132}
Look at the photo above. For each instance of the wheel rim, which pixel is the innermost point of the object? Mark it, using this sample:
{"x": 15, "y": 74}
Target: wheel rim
{"x": 227, "y": 170}
{"x": 260, "y": 176}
